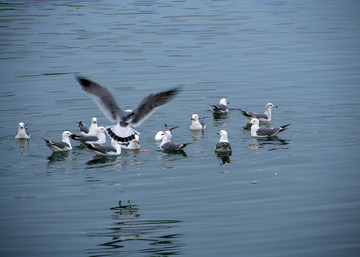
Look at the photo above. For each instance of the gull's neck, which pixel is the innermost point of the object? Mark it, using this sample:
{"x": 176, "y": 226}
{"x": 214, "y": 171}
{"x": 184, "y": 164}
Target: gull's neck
{"x": 66, "y": 139}
{"x": 223, "y": 139}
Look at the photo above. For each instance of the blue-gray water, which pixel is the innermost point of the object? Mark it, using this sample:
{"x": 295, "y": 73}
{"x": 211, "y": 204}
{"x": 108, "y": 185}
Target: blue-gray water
{"x": 297, "y": 195}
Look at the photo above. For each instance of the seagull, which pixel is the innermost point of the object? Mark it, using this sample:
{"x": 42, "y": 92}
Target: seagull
{"x": 62, "y": 146}
{"x": 22, "y": 132}
{"x": 114, "y": 149}
{"x": 161, "y": 133}
{"x": 223, "y": 145}
{"x": 197, "y": 123}
{"x": 166, "y": 143}
{"x": 256, "y": 131}
{"x": 222, "y": 106}
{"x": 100, "y": 137}
{"x": 83, "y": 128}
{"x": 262, "y": 117}
{"x": 131, "y": 145}
{"x": 122, "y": 131}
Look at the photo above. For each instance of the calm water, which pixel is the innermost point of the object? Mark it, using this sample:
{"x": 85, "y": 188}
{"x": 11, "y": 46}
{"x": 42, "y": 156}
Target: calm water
{"x": 295, "y": 195}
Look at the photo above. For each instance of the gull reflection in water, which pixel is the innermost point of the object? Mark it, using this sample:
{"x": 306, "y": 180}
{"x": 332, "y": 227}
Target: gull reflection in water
{"x": 277, "y": 143}
{"x": 22, "y": 144}
{"x": 224, "y": 157}
{"x": 169, "y": 157}
{"x": 129, "y": 234}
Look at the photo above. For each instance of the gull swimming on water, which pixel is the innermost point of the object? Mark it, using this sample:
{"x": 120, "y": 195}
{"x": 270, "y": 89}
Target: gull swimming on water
{"x": 221, "y": 107}
{"x": 262, "y": 117}
{"x": 100, "y": 137}
{"x": 161, "y": 133}
{"x": 256, "y": 131}
{"x": 122, "y": 131}
{"x": 62, "y": 146}
{"x": 89, "y": 131}
{"x": 166, "y": 143}
{"x": 105, "y": 150}
{"x": 223, "y": 145}
{"x": 22, "y": 132}
{"x": 197, "y": 123}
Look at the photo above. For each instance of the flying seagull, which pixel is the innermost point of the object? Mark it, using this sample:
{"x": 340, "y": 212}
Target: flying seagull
{"x": 122, "y": 131}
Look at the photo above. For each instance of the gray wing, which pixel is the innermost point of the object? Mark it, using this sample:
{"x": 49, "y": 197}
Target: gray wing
{"x": 220, "y": 107}
{"x": 173, "y": 146}
{"x": 83, "y": 127}
{"x": 223, "y": 145}
{"x": 103, "y": 98}
{"x": 150, "y": 103}
{"x": 83, "y": 139}
{"x": 202, "y": 122}
{"x": 254, "y": 115}
{"x": 101, "y": 148}
{"x": 260, "y": 116}
{"x": 60, "y": 145}
{"x": 267, "y": 131}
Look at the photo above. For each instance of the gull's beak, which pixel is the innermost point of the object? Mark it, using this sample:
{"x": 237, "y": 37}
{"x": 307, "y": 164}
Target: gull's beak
{"x": 218, "y": 133}
{"x": 72, "y": 134}
{"x": 137, "y": 141}
{"x": 275, "y": 106}
{"x": 192, "y": 119}
{"x": 249, "y": 123}
{"x": 227, "y": 102}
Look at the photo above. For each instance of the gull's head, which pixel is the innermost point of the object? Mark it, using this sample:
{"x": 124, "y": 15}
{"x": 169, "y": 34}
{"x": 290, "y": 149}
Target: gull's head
{"x": 194, "y": 117}
{"x": 66, "y": 134}
{"x": 224, "y": 101}
{"x": 21, "y": 125}
{"x": 101, "y": 129}
{"x": 167, "y": 134}
{"x": 222, "y": 133}
{"x": 253, "y": 122}
{"x": 270, "y": 105}
{"x": 94, "y": 120}
{"x": 137, "y": 139}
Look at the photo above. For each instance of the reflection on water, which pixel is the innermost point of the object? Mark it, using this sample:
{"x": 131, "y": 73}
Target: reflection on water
{"x": 103, "y": 161}
{"x": 223, "y": 157}
{"x": 274, "y": 142}
{"x": 169, "y": 157}
{"x": 59, "y": 156}
{"x": 22, "y": 144}
{"x": 129, "y": 234}
{"x": 196, "y": 134}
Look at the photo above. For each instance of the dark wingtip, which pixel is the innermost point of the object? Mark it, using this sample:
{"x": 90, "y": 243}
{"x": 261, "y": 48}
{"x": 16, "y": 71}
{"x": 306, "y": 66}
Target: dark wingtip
{"x": 83, "y": 81}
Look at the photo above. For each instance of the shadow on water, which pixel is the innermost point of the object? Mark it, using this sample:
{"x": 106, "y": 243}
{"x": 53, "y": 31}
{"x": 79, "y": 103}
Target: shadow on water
{"x": 274, "y": 143}
{"x": 224, "y": 157}
{"x": 130, "y": 234}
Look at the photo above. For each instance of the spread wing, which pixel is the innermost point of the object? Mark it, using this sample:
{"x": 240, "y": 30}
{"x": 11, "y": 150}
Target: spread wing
{"x": 103, "y": 98}
{"x": 150, "y": 103}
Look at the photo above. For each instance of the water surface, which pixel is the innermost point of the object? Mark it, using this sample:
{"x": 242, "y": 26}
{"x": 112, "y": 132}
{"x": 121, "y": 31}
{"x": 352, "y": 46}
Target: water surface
{"x": 294, "y": 195}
